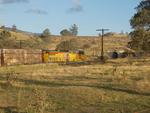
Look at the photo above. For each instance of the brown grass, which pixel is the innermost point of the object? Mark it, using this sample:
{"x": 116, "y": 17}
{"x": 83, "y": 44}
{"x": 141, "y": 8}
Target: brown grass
{"x": 113, "y": 87}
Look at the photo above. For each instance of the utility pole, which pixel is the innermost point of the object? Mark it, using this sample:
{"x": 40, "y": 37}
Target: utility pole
{"x": 20, "y": 43}
{"x": 102, "y": 42}
{"x": 2, "y": 57}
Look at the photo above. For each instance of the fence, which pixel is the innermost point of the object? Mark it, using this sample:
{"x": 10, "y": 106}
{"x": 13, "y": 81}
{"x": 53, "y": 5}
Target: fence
{"x": 23, "y": 56}
{"x": 20, "y": 56}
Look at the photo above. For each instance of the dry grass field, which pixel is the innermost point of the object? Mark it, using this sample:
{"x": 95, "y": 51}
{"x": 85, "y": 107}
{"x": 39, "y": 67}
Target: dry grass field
{"x": 119, "y": 86}
{"x": 110, "y": 42}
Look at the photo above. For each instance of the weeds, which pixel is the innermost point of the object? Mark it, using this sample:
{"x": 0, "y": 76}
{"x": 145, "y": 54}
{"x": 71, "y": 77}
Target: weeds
{"x": 67, "y": 89}
{"x": 38, "y": 101}
{"x": 114, "y": 70}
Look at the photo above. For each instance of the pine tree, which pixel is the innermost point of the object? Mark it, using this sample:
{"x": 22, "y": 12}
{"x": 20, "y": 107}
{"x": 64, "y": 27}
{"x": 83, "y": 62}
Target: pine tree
{"x": 74, "y": 30}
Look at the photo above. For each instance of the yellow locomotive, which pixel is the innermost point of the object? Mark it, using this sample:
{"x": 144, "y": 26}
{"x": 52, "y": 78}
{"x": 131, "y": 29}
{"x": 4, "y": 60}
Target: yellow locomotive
{"x": 54, "y": 56}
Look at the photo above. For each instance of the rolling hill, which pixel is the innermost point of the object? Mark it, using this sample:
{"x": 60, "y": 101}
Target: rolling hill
{"x": 87, "y": 42}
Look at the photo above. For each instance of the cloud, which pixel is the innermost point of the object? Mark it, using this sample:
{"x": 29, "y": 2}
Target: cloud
{"x": 13, "y": 1}
{"x": 77, "y": 7}
{"x": 37, "y": 11}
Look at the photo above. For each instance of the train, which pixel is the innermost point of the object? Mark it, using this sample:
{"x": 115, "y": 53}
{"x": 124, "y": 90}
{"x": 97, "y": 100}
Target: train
{"x": 56, "y": 56}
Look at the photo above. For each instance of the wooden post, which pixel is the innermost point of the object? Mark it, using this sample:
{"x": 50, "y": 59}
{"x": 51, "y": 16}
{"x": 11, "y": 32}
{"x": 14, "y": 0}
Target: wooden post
{"x": 2, "y": 57}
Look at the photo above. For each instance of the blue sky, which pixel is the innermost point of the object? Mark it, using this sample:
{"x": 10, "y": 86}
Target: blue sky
{"x": 89, "y": 15}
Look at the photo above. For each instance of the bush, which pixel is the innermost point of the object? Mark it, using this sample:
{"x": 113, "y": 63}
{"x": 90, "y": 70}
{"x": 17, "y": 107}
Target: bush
{"x": 65, "y": 32}
{"x": 68, "y": 45}
{"x": 140, "y": 40}
{"x": 85, "y": 46}
{"x": 5, "y": 34}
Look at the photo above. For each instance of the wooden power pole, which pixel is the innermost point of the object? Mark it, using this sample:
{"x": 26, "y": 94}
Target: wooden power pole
{"x": 102, "y": 42}
{"x": 20, "y": 43}
{"x": 2, "y": 57}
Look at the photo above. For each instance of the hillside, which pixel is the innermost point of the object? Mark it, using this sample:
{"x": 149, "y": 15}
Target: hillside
{"x": 110, "y": 42}
{"x": 27, "y": 40}
{"x": 86, "y": 42}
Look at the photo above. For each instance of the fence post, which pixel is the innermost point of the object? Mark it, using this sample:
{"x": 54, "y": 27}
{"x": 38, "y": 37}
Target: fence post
{"x": 42, "y": 56}
{"x": 2, "y": 57}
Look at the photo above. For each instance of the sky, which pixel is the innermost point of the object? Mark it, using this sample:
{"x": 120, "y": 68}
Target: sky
{"x": 89, "y": 15}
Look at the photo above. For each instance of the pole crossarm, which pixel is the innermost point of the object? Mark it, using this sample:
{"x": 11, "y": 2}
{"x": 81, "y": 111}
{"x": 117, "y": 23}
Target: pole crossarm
{"x": 102, "y": 30}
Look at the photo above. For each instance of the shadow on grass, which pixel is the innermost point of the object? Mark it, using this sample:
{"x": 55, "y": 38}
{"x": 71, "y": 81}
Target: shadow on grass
{"x": 99, "y": 86}
{"x": 106, "y": 86}
{"x": 10, "y": 109}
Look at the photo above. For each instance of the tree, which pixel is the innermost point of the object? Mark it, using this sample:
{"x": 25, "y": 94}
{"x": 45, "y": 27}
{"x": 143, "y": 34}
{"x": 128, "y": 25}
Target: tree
{"x": 74, "y": 30}
{"x": 65, "y": 32}
{"x": 142, "y": 18}
{"x": 140, "y": 40}
{"x": 2, "y": 27}
{"x": 140, "y": 22}
{"x": 46, "y": 35}
{"x": 14, "y": 28}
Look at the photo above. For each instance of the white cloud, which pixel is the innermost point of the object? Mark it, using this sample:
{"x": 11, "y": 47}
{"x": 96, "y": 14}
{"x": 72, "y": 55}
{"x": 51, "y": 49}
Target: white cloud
{"x": 13, "y": 1}
{"x": 37, "y": 11}
{"x": 76, "y": 6}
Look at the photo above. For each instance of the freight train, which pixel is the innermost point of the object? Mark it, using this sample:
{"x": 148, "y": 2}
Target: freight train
{"x": 55, "y": 56}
